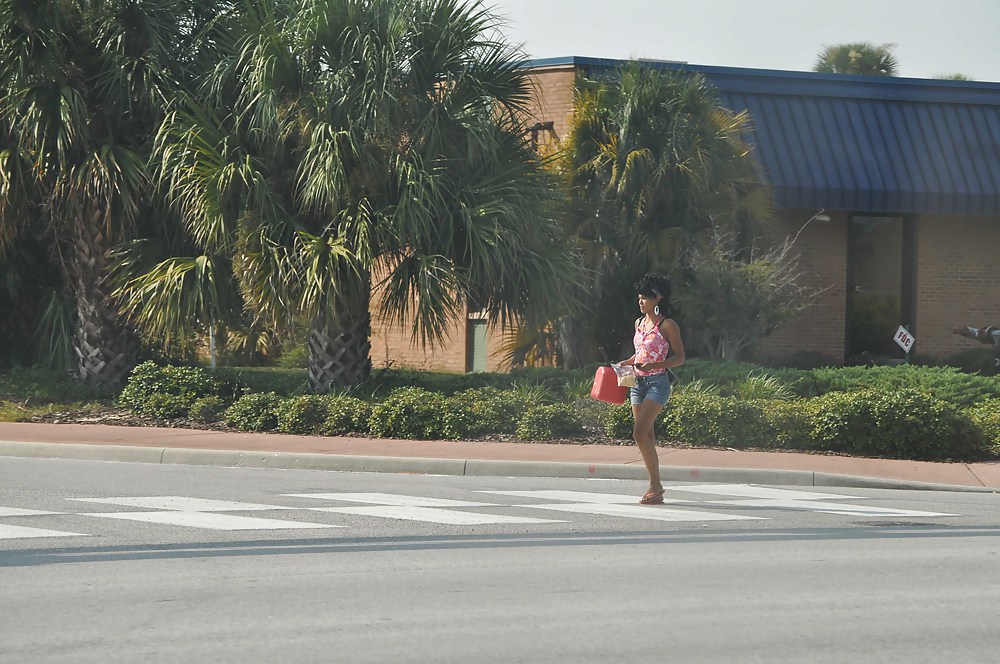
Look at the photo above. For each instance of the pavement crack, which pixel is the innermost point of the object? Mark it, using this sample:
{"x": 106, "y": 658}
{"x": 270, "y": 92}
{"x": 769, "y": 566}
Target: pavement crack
{"x": 973, "y": 473}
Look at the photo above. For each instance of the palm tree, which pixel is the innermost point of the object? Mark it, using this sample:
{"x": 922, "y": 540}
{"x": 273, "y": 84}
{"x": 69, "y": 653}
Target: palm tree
{"x": 861, "y": 58}
{"x": 344, "y": 145}
{"x": 82, "y": 90}
{"x": 652, "y": 162}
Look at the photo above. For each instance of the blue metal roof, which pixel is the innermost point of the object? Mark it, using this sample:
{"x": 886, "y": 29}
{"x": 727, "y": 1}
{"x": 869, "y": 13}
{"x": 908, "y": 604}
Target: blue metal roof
{"x": 862, "y": 143}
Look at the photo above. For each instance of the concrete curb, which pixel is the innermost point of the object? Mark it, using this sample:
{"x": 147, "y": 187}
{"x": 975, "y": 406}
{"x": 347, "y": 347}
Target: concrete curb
{"x": 472, "y": 467}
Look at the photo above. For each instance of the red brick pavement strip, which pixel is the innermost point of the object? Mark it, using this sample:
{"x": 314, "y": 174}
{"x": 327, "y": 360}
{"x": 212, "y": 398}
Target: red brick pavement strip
{"x": 694, "y": 460}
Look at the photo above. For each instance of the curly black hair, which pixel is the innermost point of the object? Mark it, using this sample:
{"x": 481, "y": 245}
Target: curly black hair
{"x": 655, "y": 285}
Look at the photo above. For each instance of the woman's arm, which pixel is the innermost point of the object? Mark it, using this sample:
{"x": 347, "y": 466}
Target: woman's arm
{"x": 672, "y": 333}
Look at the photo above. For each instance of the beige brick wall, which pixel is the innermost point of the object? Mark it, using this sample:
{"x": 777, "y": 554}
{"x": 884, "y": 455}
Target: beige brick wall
{"x": 822, "y": 249}
{"x": 554, "y": 87}
{"x": 392, "y": 347}
{"x": 958, "y": 280}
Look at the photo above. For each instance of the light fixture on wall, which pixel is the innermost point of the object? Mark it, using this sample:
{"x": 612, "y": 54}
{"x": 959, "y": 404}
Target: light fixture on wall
{"x": 820, "y": 216}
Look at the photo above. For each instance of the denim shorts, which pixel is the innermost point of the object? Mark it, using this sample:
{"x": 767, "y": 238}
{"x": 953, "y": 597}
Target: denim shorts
{"x": 655, "y": 388}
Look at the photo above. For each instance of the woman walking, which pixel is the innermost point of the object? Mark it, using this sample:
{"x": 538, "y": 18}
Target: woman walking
{"x": 655, "y": 337}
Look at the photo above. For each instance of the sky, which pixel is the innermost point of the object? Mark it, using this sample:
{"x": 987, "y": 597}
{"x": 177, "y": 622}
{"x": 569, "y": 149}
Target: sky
{"x": 932, "y": 37}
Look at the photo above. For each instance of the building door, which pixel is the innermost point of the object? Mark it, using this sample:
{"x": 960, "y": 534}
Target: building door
{"x": 879, "y": 286}
{"x": 475, "y": 348}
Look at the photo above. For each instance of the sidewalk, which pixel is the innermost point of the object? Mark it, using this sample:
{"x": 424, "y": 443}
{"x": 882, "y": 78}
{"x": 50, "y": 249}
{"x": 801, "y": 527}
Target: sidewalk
{"x": 188, "y": 446}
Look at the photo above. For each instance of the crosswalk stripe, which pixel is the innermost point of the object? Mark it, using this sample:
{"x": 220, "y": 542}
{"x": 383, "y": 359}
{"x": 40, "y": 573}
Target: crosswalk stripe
{"x": 651, "y": 512}
{"x": 17, "y": 511}
{"x": 209, "y": 520}
{"x": 432, "y": 515}
{"x": 184, "y": 504}
{"x": 24, "y": 532}
{"x": 825, "y": 507}
{"x": 416, "y": 508}
{"x": 751, "y": 491}
{"x": 393, "y": 499}
{"x": 579, "y": 497}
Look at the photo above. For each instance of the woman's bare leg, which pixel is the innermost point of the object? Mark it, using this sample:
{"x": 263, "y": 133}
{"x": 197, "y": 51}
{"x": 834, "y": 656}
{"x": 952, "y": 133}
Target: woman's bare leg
{"x": 642, "y": 431}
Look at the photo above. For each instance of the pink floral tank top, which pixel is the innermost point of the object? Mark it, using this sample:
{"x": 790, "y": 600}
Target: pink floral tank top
{"x": 650, "y": 346}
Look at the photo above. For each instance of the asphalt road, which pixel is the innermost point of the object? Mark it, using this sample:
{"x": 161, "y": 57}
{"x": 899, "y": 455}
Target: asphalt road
{"x": 172, "y": 563}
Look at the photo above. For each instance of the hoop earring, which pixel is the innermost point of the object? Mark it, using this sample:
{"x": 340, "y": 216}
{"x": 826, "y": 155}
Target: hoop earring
{"x": 656, "y": 310}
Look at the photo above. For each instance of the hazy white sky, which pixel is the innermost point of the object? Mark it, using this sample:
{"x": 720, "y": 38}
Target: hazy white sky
{"x": 933, "y": 37}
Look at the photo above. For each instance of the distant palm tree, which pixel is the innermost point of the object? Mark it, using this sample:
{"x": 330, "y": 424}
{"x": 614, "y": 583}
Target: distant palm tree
{"x": 954, "y": 77}
{"x": 83, "y": 86}
{"x": 861, "y": 58}
{"x": 341, "y": 146}
{"x": 651, "y": 162}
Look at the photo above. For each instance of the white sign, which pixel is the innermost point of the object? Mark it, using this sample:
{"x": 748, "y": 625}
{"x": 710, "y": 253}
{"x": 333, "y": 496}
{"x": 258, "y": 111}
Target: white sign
{"x": 904, "y": 339}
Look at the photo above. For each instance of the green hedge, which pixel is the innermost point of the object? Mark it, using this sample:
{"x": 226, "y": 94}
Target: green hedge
{"x": 904, "y": 412}
{"x": 207, "y": 409}
{"x": 38, "y": 384}
{"x": 254, "y": 412}
{"x": 284, "y": 382}
{"x": 302, "y": 415}
{"x": 408, "y": 412}
{"x": 548, "y": 422}
{"x": 702, "y": 418}
{"x": 985, "y": 415}
{"x": 904, "y": 424}
{"x": 943, "y": 383}
{"x": 947, "y": 384}
{"x": 899, "y": 424}
{"x": 346, "y": 414}
{"x": 169, "y": 391}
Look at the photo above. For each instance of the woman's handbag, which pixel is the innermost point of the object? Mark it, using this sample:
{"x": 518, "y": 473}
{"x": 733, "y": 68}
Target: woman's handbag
{"x": 606, "y": 387}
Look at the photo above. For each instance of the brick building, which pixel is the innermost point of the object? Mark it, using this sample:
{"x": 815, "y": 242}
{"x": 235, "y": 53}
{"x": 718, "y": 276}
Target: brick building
{"x": 899, "y": 177}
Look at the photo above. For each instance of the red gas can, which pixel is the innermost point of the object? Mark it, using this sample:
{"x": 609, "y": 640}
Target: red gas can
{"x": 606, "y": 386}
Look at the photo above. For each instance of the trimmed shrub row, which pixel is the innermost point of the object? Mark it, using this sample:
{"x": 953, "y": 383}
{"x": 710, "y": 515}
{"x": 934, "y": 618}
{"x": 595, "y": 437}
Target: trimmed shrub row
{"x": 874, "y": 412}
{"x": 408, "y": 412}
{"x": 945, "y": 383}
{"x": 904, "y": 424}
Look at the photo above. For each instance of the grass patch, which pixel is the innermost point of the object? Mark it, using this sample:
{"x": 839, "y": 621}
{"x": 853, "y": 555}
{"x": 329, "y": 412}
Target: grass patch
{"x": 13, "y": 411}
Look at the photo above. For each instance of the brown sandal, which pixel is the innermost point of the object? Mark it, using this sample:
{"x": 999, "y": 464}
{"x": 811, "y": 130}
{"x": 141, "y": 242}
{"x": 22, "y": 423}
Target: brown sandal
{"x": 652, "y": 498}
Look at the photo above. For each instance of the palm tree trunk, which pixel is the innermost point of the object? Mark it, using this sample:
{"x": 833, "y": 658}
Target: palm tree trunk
{"x": 105, "y": 347}
{"x": 340, "y": 355}
{"x": 571, "y": 343}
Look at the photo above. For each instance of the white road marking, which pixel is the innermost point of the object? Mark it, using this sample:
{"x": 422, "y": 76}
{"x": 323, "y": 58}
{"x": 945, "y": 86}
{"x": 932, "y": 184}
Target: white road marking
{"x": 431, "y": 514}
{"x": 184, "y": 504}
{"x": 23, "y": 532}
{"x": 17, "y": 511}
{"x": 650, "y": 512}
{"x": 751, "y": 491}
{"x": 391, "y": 499}
{"x": 209, "y": 520}
{"x": 416, "y": 508}
{"x": 826, "y": 507}
{"x": 579, "y": 497}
